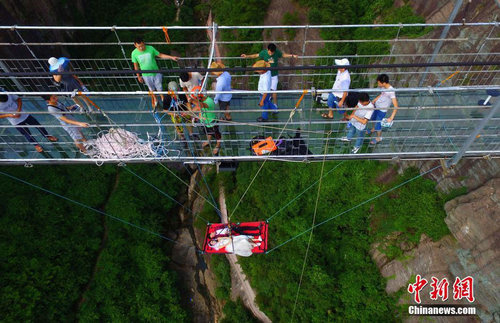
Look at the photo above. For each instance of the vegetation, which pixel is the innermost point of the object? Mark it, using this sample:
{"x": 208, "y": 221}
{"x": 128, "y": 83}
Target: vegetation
{"x": 232, "y": 13}
{"x": 50, "y": 246}
{"x": 341, "y": 282}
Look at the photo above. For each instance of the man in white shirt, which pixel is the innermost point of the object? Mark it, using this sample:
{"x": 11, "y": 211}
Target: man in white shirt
{"x": 12, "y": 104}
{"x": 358, "y": 119}
{"x": 265, "y": 85}
{"x": 337, "y": 97}
{"x": 382, "y": 104}
{"x": 188, "y": 80}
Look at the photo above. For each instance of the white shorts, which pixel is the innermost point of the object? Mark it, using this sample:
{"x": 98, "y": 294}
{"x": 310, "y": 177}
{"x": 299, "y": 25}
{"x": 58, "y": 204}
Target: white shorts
{"x": 274, "y": 83}
{"x": 74, "y": 132}
{"x": 154, "y": 82}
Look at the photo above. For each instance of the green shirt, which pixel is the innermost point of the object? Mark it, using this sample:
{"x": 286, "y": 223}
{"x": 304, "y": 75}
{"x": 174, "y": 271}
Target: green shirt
{"x": 271, "y": 59}
{"x": 207, "y": 115}
{"x": 146, "y": 59}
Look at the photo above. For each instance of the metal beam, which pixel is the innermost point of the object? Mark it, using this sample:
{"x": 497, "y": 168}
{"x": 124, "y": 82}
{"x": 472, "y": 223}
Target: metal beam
{"x": 474, "y": 135}
{"x": 444, "y": 33}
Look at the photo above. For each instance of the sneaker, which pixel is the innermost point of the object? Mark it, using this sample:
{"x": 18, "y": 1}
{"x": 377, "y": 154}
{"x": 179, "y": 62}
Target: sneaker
{"x": 345, "y": 139}
{"x": 355, "y": 150}
{"x": 348, "y": 125}
{"x": 260, "y": 119}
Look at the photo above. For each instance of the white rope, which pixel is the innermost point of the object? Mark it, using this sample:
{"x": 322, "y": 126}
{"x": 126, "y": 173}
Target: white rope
{"x": 119, "y": 143}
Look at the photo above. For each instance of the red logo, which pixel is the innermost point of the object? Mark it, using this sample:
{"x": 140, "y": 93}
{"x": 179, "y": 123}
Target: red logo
{"x": 464, "y": 288}
{"x": 439, "y": 289}
{"x": 417, "y": 287}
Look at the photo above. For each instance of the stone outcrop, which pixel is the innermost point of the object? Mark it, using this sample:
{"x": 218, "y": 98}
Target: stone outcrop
{"x": 472, "y": 249}
{"x": 470, "y": 173}
{"x": 198, "y": 281}
{"x": 474, "y": 221}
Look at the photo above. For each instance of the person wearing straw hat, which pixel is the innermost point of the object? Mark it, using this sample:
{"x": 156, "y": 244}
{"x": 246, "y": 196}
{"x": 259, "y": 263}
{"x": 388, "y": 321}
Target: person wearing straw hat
{"x": 265, "y": 86}
{"x": 223, "y": 84}
{"x": 271, "y": 55}
{"x": 144, "y": 58}
{"x": 337, "y": 97}
{"x": 68, "y": 82}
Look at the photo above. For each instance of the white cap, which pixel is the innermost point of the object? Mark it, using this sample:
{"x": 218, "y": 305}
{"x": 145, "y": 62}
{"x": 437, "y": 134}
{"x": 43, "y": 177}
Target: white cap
{"x": 53, "y": 61}
{"x": 342, "y": 62}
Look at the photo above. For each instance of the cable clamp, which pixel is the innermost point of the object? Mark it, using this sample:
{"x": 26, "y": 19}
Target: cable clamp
{"x": 431, "y": 91}
{"x": 113, "y": 28}
{"x": 487, "y": 157}
{"x": 401, "y": 25}
{"x": 313, "y": 92}
{"x": 121, "y": 164}
{"x": 28, "y": 165}
{"x": 14, "y": 27}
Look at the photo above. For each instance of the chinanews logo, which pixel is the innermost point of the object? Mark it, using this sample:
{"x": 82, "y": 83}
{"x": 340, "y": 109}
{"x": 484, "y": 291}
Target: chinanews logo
{"x": 462, "y": 289}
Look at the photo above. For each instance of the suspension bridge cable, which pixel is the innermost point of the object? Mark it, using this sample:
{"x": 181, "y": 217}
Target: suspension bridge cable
{"x": 303, "y": 192}
{"x": 129, "y": 170}
{"x": 312, "y": 229}
{"x": 265, "y": 160}
{"x": 90, "y": 208}
{"x": 354, "y": 207}
{"x": 253, "y": 69}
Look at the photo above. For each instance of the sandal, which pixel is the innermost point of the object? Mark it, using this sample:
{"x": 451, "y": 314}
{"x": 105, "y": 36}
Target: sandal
{"x": 215, "y": 152}
{"x": 52, "y": 138}
{"x": 374, "y": 141}
{"x": 39, "y": 148}
{"x": 326, "y": 116}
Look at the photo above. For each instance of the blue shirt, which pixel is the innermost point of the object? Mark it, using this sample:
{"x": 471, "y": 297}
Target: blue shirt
{"x": 223, "y": 84}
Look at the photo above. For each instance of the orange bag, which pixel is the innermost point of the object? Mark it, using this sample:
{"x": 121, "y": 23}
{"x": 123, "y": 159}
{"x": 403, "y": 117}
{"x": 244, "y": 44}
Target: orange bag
{"x": 264, "y": 147}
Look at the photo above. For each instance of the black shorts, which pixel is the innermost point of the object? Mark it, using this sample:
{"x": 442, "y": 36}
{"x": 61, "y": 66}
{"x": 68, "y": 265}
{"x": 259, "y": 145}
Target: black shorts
{"x": 213, "y": 131}
{"x": 224, "y": 105}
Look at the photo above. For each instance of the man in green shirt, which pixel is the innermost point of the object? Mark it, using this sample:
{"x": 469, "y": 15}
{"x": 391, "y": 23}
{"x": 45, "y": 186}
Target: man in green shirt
{"x": 271, "y": 55}
{"x": 144, "y": 58}
{"x": 208, "y": 118}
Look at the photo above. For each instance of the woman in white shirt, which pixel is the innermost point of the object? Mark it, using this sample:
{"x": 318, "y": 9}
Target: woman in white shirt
{"x": 382, "y": 104}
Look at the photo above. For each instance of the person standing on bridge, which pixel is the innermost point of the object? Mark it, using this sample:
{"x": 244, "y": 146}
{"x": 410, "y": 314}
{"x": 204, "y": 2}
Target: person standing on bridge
{"x": 12, "y": 106}
{"x": 271, "y": 55}
{"x": 358, "y": 119}
{"x": 382, "y": 104}
{"x": 337, "y": 97}
{"x": 144, "y": 58}
{"x": 71, "y": 126}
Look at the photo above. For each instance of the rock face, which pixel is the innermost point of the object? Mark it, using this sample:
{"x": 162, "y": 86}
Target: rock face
{"x": 474, "y": 221}
{"x": 40, "y": 12}
{"x": 197, "y": 280}
{"x": 471, "y": 250}
{"x": 470, "y": 173}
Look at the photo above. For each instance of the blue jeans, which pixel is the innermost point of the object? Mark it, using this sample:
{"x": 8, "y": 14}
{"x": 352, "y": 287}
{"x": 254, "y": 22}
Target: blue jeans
{"x": 378, "y": 116}
{"x": 333, "y": 103}
{"x": 353, "y": 132}
{"x": 268, "y": 105}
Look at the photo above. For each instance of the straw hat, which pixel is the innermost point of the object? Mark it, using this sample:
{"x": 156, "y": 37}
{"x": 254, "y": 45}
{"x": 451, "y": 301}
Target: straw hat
{"x": 261, "y": 63}
{"x": 217, "y": 65}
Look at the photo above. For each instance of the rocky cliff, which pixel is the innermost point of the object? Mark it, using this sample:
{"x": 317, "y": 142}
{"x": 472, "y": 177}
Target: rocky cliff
{"x": 472, "y": 249}
{"x": 40, "y": 12}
